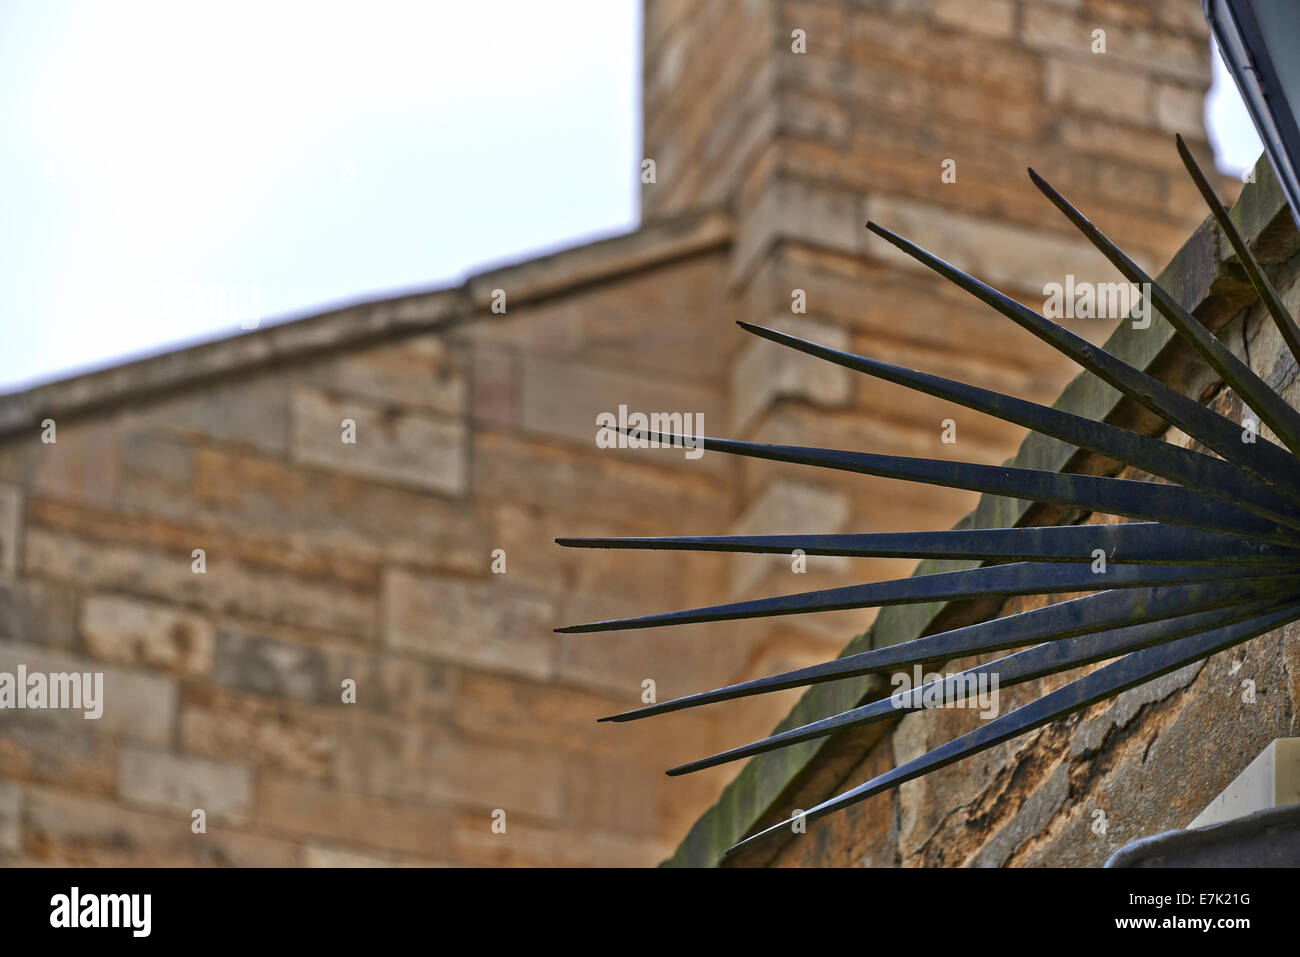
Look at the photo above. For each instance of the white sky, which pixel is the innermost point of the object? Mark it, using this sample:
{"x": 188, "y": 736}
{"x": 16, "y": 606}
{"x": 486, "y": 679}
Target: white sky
{"x": 1236, "y": 144}
{"x": 169, "y": 166}
{"x": 165, "y": 164}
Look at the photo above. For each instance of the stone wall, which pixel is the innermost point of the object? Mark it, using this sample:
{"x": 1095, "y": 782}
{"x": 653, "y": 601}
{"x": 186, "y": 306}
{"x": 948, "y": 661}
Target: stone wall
{"x": 328, "y": 561}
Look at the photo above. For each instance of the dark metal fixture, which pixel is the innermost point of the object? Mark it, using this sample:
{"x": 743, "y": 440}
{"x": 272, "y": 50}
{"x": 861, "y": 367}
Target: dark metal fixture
{"x": 1211, "y": 560}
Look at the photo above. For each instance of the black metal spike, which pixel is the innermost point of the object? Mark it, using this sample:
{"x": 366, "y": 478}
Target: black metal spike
{"x": 1254, "y": 391}
{"x": 1133, "y": 669}
{"x": 1078, "y": 616}
{"x": 1040, "y": 661}
{"x": 1143, "y": 543}
{"x": 1115, "y": 496}
{"x": 1216, "y": 478}
{"x": 1268, "y": 461}
{"x": 1213, "y": 561}
{"x": 1020, "y": 578}
{"x": 1267, "y": 293}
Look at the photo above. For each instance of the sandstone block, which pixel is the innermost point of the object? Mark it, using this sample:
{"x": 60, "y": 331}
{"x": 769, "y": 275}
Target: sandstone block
{"x": 139, "y": 706}
{"x": 142, "y": 633}
{"x": 353, "y": 820}
{"x": 392, "y": 445}
{"x": 485, "y": 623}
{"x": 169, "y": 782}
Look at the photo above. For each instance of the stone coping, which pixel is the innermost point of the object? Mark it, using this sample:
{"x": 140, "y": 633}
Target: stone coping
{"x": 655, "y": 244}
{"x": 1204, "y": 275}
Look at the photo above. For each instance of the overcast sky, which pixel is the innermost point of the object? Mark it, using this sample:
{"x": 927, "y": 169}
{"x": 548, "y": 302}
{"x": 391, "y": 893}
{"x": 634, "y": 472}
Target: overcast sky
{"x": 170, "y": 168}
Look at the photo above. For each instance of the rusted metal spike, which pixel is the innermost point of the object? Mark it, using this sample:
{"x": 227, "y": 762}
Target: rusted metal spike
{"x": 1020, "y": 578}
{"x": 1040, "y": 661}
{"x": 1267, "y": 293}
{"x": 1271, "y": 408}
{"x": 1213, "y": 476}
{"x": 1128, "y": 543}
{"x": 1270, "y": 462}
{"x": 1133, "y": 669}
{"x": 1128, "y": 497}
{"x": 1079, "y": 616}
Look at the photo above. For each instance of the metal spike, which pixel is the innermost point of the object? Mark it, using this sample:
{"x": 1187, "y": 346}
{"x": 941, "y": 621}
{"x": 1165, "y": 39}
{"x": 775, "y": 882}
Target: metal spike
{"x": 1021, "y": 578}
{"x": 1271, "y": 408}
{"x": 1079, "y": 616}
{"x": 1133, "y": 669}
{"x": 1267, "y": 293}
{"x": 1127, "y": 543}
{"x": 1214, "y": 562}
{"x": 1040, "y": 661}
{"x": 1268, "y": 461}
{"x": 1129, "y": 497}
{"x": 1215, "y": 477}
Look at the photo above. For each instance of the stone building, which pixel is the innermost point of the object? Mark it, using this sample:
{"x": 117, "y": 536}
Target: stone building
{"x": 202, "y": 531}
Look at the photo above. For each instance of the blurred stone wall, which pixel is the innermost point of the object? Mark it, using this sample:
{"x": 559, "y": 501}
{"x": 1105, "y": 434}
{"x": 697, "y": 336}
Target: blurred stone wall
{"x": 372, "y": 562}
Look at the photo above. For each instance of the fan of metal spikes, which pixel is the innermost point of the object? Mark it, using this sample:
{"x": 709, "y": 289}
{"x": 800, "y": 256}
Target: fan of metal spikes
{"x": 1213, "y": 559}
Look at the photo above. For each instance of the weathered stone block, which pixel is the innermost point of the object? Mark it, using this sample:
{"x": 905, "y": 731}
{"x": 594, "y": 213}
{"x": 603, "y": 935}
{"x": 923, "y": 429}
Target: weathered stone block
{"x": 392, "y": 444}
{"x": 1009, "y": 257}
{"x": 226, "y": 588}
{"x": 354, "y": 820}
{"x": 318, "y": 855}
{"x": 169, "y": 782}
{"x": 425, "y": 764}
{"x": 73, "y": 831}
{"x": 251, "y": 412}
{"x": 73, "y": 755}
{"x": 136, "y": 705}
{"x": 563, "y": 399}
{"x": 1101, "y": 89}
{"x": 528, "y": 845}
{"x": 787, "y": 506}
{"x": 11, "y": 818}
{"x": 37, "y": 613}
{"x": 230, "y": 727}
{"x": 269, "y": 667}
{"x": 486, "y": 623}
{"x": 11, "y": 524}
{"x": 765, "y": 371}
{"x": 493, "y": 388}
{"x": 368, "y": 520}
{"x": 990, "y": 18}
{"x": 423, "y": 372}
{"x": 143, "y": 633}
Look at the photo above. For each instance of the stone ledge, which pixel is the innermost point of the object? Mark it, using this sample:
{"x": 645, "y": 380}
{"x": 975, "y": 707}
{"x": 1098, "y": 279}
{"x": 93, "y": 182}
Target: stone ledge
{"x": 1202, "y": 275}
